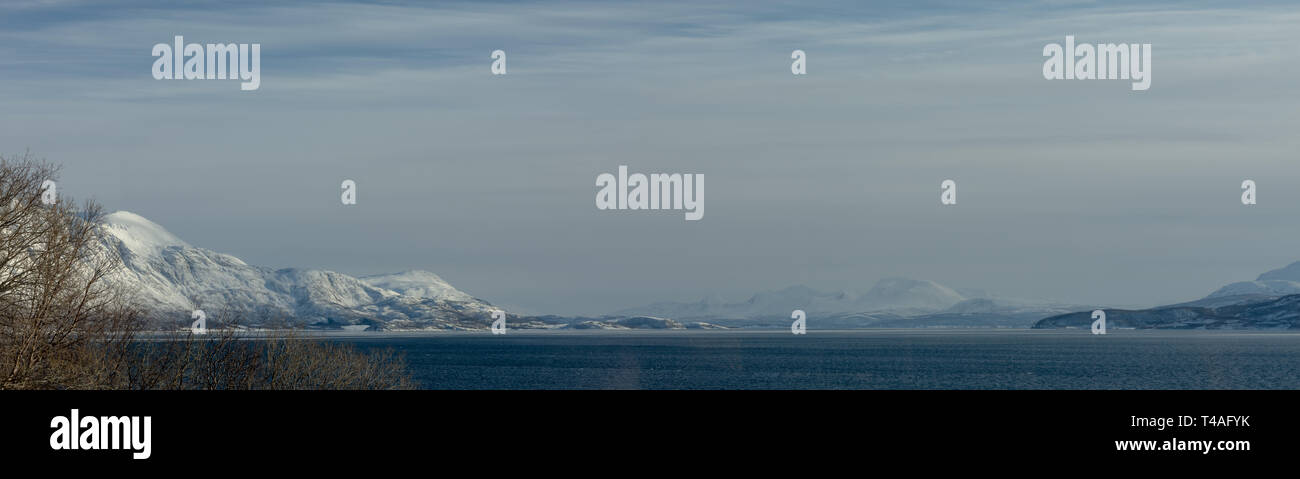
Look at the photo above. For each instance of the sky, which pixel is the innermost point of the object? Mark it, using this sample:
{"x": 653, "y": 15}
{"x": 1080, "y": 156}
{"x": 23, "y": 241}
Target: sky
{"x": 1075, "y": 191}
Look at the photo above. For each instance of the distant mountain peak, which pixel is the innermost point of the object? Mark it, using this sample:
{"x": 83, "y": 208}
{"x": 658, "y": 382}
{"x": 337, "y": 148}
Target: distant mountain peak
{"x": 896, "y": 284}
{"x": 1279, "y": 282}
{"x": 1289, "y": 272}
{"x": 417, "y": 283}
{"x": 906, "y": 293}
{"x": 138, "y": 233}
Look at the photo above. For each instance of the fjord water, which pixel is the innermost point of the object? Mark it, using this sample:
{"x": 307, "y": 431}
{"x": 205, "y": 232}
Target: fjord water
{"x": 866, "y": 359}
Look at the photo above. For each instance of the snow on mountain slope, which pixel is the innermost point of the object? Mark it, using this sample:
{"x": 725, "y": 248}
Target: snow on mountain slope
{"x": 1257, "y": 288}
{"x": 1272, "y": 301}
{"x": 1278, "y": 313}
{"x": 1278, "y": 282}
{"x": 1289, "y": 272}
{"x": 893, "y": 294}
{"x": 170, "y": 279}
{"x": 138, "y": 233}
{"x": 417, "y": 284}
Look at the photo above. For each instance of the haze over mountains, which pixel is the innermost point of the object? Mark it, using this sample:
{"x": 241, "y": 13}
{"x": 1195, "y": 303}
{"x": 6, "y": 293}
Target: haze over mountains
{"x": 891, "y": 302}
{"x": 897, "y": 294}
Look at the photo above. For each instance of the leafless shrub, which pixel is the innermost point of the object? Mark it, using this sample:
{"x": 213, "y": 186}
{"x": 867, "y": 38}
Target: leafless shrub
{"x": 234, "y": 359}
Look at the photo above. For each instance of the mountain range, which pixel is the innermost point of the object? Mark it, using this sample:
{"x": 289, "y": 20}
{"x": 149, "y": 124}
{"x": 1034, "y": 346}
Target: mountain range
{"x": 890, "y": 302}
{"x": 1271, "y": 301}
{"x": 170, "y": 278}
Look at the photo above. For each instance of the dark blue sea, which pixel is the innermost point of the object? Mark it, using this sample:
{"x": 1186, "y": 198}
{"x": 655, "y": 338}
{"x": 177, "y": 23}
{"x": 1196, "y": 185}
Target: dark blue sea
{"x": 871, "y": 359}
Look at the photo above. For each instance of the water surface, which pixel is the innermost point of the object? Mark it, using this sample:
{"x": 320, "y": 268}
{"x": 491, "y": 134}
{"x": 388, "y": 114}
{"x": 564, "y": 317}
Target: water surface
{"x": 871, "y": 359}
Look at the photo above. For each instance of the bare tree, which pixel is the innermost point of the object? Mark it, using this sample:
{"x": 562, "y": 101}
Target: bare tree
{"x": 61, "y": 324}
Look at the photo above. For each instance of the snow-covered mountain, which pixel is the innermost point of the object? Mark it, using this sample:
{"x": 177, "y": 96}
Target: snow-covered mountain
{"x": 1278, "y": 282}
{"x": 907, "y": 295}
{"x": 1272, "y": 301}
{"x": 1278, "y": 313}
{"x": 899, "y": 297}
{"x": 170, "y": 278}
